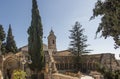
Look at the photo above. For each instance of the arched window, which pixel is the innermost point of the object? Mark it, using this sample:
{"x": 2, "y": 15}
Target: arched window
{"x": 53, "y": 42}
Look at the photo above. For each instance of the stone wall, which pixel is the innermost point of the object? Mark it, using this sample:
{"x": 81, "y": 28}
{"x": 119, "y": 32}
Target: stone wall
{"x": 90, "y": 62}
{"x": 61, "y": 76}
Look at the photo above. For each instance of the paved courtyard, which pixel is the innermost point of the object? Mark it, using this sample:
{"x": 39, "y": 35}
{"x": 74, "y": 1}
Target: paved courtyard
{"x": 86, "y": 77}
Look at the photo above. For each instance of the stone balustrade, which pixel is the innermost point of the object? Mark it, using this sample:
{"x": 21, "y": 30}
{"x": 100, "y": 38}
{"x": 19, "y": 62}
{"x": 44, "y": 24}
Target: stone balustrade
{"x": 61, "y": 76}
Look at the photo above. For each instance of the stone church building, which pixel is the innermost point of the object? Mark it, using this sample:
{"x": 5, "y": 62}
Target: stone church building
{"x": 64, "y": 59}
{"x": 60, "y": 61}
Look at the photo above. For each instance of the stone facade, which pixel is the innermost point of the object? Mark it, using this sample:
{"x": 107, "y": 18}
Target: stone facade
{"x": 61, "y": 76}
{"x": 52, "y": 41}
{"x": 61, "y": 61}
{"x": 11, "y": 61}
{"x": 64, "y": 59}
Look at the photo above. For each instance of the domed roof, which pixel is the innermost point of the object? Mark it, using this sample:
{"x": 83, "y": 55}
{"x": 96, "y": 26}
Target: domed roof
{"x": 25, "y": 48}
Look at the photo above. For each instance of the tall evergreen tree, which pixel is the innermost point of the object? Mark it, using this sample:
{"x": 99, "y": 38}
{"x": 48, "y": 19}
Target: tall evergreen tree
{"x": 2, "y": 33}
{"x": 2, "y": 38}
{"x": 10, "y": 43}
{"x": 109, "y": 10}
{"x": 35, "y": 43}
{"x": 78, "y": 40}
{"x": 3, "y": 47}
{"x": 78, "y": 44}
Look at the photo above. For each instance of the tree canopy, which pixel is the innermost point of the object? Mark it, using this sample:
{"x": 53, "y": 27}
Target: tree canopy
{"x": 10, "y": 42}
{"x": 109, "y": 10}
{"x": 78, "y": 40}
{"x": 2, "y": 33}
{"x": 2, "y": 38}
{"x": 35, "y": 43}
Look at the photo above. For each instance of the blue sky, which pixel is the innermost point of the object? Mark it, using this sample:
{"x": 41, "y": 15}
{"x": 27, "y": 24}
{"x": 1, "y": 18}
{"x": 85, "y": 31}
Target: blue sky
{"x": 60, "y": 15}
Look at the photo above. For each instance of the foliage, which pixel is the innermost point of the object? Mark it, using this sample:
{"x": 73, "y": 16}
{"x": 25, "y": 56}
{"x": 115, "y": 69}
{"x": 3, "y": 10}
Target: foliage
{"x": 108, "y": 74}
{"x": 2, "y": 33}
{"x": 3, "y": 48}
{"x": 78, "y": 40}
{"x": 35, "y": 43}
{"x": 10, "y": 43}
{"x": 109, "y": 10}
{"x": 78, "y": 43}
{"x": 34, "y": 76}
{"x": 111, "y": 74}
{"x": 19, "y": 74}
{"x": 2, "y": 38}
{"x": 117, "y": 74}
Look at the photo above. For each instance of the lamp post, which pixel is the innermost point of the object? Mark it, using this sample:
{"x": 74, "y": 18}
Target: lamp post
{"x": 26, "y": 60}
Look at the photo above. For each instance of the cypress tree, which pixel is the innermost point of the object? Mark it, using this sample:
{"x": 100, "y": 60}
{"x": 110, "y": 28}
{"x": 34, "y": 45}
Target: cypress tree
{"x": 2, "y": 38}
{"x": 2, "y": 33}
{"x": 10, "y": 43}
{"x": 35, "y": 43}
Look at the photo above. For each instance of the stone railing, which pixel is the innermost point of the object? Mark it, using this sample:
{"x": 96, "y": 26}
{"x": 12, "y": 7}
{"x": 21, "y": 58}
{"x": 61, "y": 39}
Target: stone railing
{"x": 53, "y": 73}
{"x": 52, "y": 61}
{"x": 61, "y": 76}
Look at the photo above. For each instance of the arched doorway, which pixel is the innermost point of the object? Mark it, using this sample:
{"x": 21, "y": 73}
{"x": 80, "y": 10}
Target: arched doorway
{"x": 10, "y": 63}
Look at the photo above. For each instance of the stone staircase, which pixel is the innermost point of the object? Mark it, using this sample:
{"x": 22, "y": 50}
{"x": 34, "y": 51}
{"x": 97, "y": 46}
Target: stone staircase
{"x": 53, "y": 72}
{"x": 52, "y": 62}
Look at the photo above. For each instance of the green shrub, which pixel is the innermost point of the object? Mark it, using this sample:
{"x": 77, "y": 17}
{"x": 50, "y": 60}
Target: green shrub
{"x": 19, "y": 74}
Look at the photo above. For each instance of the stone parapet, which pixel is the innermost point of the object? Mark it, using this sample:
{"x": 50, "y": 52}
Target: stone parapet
{"x": 61, "y": 76}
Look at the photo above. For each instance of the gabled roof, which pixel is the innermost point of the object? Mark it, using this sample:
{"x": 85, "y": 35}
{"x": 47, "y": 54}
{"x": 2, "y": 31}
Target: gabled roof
{"x": 25, "y": 48}
{"x": 63, "y": 53}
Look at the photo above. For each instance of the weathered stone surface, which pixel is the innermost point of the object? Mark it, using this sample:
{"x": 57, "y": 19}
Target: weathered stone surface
{"x": 61, "y": 76}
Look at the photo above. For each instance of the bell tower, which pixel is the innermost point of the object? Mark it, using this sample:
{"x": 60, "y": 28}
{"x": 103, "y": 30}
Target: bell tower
{"x": 52, "y": 41}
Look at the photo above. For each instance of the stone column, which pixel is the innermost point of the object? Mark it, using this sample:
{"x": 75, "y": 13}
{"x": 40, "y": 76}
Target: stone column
{"x": 1, "y": 77}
